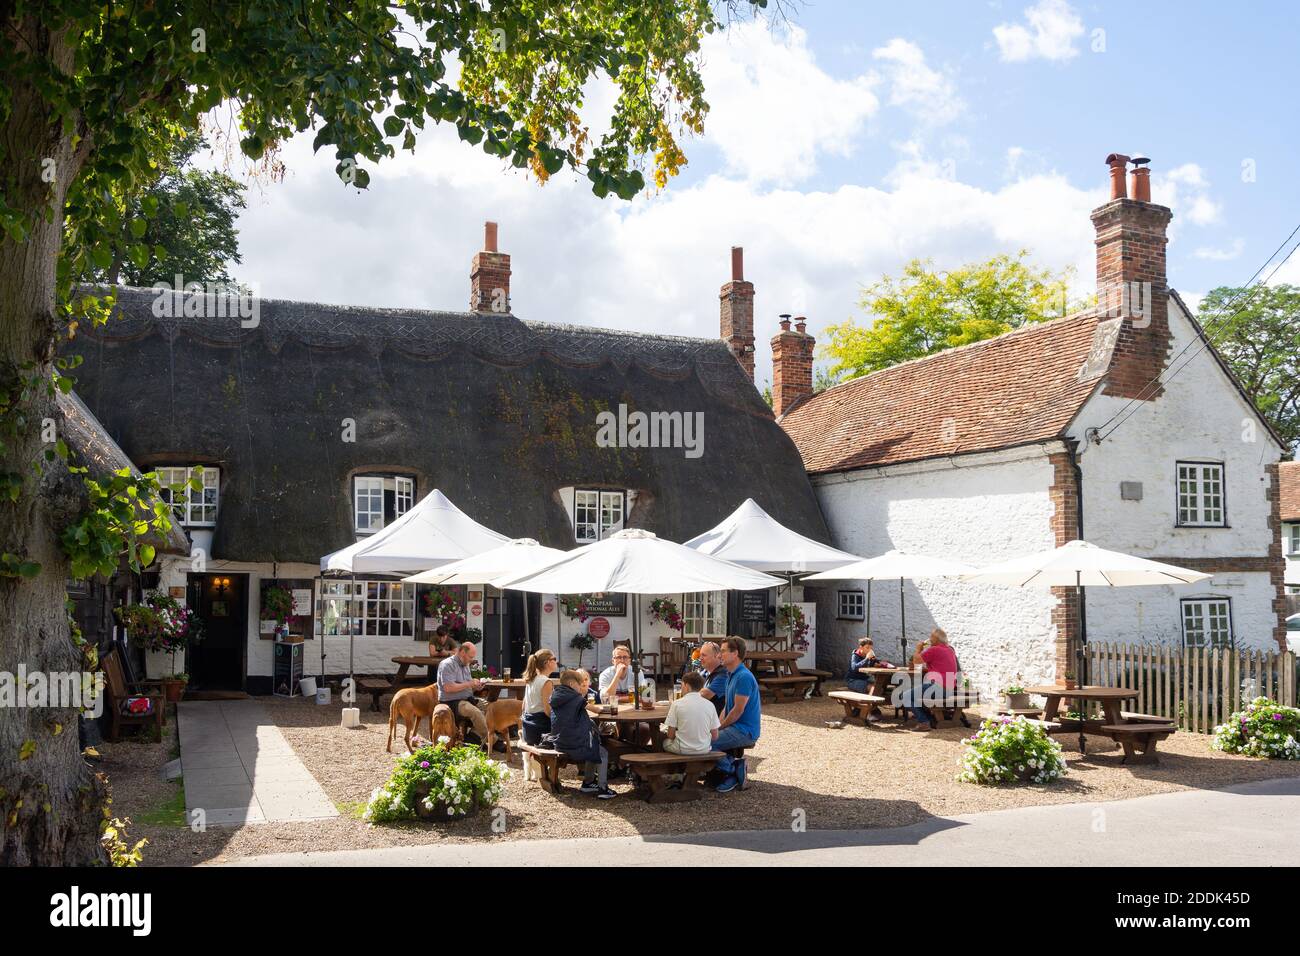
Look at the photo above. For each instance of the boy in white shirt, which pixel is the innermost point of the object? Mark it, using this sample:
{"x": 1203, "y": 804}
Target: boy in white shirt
{"x": 692, "y": 722}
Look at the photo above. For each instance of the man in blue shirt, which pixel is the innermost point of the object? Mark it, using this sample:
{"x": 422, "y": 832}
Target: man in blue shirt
{"x": 741, "y": 716}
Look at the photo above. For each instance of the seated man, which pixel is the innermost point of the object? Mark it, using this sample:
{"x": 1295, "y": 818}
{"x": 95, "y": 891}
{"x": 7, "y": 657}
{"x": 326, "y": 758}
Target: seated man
{"x": 617, "y": 675}
{"x": 456, "y": 687}
{"x": 442, "y": 641}
{"x": 940, "y": 663}
{"x": 714, "y": 674}
{"x": 692, "y": 724}
{"x": 741, "y": 718}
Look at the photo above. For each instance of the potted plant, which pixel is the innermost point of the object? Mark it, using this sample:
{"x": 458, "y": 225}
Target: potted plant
{"x": 1017, "y": 699}
{"x": 664, "y": 611}
{"x": 1067, "y": 681}
{"x": 441, "y": 605}
{"x": 277, "y": 605}
{"x": 435, "y": 783}
{"x": 174, "y": 687}
{"x": 161, "y": 624}
{"x": 1010, "y": 750}
{"x": 790, "y": 619}
{"x": 582, "y": 642}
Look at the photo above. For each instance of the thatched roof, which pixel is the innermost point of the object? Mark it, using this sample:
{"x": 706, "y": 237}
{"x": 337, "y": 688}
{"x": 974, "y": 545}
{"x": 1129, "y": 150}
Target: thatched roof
{"x": 92, "y": 448}
{"x": 497, "y": 412}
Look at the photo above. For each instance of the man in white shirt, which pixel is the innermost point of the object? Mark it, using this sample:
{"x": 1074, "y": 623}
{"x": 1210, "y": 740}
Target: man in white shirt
{"x": 692, "y": 722}
{"x": 618, "y": 674}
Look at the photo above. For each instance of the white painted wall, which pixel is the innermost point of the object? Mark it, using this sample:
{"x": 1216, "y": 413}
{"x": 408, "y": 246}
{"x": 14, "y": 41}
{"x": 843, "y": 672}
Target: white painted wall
{"x": 1200, "y": 416}
{"x": 990, "y": 508}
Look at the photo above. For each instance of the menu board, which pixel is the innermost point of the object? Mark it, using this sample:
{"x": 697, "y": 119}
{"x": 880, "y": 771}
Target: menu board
{"x": 607, "y": 605}
{"x": 753, "y": 607}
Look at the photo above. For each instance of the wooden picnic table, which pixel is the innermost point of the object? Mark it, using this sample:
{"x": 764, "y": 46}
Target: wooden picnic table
{"x": 1108, "y": 697}
{"x": 496, "y": 688}
{"x": 778, "y": 674}
{"x": 429, "y": 662}
{"x": 629, "y": 720}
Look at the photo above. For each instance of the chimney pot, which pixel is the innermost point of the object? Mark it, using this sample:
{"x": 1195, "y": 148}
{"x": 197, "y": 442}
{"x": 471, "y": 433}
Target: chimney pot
{"x": 1118, "y": 163}
{"x": 785, "y": 321}
{"x": 800, "y": 323}
{"x": 736, "y": 313}
{"x": 737, "y": 264}
{"x": 1140, "y": 180}
{"x": 489, "y": 237}
{"x": 489, "y": 276}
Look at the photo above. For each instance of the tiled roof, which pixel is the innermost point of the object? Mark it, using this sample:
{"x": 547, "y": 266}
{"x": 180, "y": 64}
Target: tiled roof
{"x": 1015, "y": 389}
{"x": 1289, "y": 489}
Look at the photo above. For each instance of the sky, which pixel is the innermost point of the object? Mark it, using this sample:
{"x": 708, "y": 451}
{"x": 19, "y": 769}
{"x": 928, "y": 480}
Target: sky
{"x": 840, "y": 145}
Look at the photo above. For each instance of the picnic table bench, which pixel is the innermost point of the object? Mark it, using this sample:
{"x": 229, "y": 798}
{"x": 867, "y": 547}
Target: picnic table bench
{"x": 377, "y": 687}
{"x": 1138, "y": 739}
{"x": 651, "y": 769}
{"x": 551, "y": 762}
{"x": 785, "y": 688}
{"x": 857, "y": 706}
{"x": 1137, "y": 733}
{"x": 820, "y": 675}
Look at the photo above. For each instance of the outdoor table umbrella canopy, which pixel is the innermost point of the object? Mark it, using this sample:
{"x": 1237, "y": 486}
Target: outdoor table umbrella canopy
{"x": 636, "y": 562}
{"x": 432, "y": 533}
{"x": 1078, "y": 564}
{"x": 749, "y": 536}
{"x": 514, "y": 557}
{"x": 895, "y": 565}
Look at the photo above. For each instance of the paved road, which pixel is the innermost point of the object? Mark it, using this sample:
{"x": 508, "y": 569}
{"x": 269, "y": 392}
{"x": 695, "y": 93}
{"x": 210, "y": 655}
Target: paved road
{"x": 1251, "y": 824}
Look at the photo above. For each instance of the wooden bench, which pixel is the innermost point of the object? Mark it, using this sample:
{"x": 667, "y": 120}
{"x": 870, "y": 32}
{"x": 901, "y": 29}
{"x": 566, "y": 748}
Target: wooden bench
{"x": 1030, "y": 712}
{"x": 857, "y": 706}
{"x": 551, "y": 761}
{"x": 651, "y": 769}
{"x": 938, "y": 710}
{"x": 1133, "y": 717}
{"x": 819, "y": 675}
{"x": 377, "y": 687}
{"x": 118, "y": 691}
{"x": 1047, "y": 725}
{"x": 1138, "y": 739}
{"x": 780, "y": 689}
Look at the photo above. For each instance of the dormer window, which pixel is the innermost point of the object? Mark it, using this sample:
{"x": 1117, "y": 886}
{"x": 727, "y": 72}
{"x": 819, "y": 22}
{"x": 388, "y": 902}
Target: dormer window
{"x": 379, "y": 500}
{"x": 193, "y": 509}
{"x": 597, "y": 514}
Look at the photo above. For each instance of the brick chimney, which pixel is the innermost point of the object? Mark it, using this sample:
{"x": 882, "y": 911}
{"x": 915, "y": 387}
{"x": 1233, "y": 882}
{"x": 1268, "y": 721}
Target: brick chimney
{"x": 1132, "y": 284}
{"x": 489, "y": 276}
{"x": 792, "y": 362}
{"x": 736, "y": 313}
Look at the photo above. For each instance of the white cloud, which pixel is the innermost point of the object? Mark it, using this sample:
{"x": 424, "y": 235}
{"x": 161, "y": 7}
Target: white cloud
{"x": 773, "y": 110}
{"x": 1052, "y": 27}
{"x": 917, "y": 87}
{"x": 1185, "y": 189}
{"x": 1221, "y": 253}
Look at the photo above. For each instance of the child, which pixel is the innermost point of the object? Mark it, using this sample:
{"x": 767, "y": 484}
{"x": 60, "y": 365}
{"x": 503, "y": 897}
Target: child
{"x": 864, "y": 656}
{"x": 575, "y": 734}
{"x": 537, "y": 703}
{"x": 692, "y": 722}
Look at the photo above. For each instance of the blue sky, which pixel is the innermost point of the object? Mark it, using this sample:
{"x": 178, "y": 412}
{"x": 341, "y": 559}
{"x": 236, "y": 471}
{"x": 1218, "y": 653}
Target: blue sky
{"x": 862, "y": 136}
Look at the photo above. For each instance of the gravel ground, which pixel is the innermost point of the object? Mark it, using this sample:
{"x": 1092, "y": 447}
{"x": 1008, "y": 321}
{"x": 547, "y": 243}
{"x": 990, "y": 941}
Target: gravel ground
{"x": 881, "y": 776}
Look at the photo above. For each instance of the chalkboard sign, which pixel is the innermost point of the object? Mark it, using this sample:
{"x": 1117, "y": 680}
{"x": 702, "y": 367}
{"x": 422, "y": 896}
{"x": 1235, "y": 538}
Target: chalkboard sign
{"x": 286, "y": 669}
{"x": 607, "y": 605}
{"x": 753, "y": 607}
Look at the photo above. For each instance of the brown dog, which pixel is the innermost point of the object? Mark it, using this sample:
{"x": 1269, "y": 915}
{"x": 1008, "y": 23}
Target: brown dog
{"x": 501, "y": 716}
{"x": 443, "y": 724}
{"x": 412, "y": 704}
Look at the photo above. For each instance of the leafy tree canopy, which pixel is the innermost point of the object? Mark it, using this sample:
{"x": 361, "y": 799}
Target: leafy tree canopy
{"x": 1257, "y": 331}
{"x": 928, "y": 310}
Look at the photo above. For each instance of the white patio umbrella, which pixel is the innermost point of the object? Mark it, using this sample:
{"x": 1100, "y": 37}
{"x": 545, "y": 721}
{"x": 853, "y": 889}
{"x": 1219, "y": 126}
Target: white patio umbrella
{"x": 432, "y": 533}
{"x": 517, "y": 556}
{"x": 636, "y": 562}
{"x": 749, "y": 536}
{"x": 891, "y": 565}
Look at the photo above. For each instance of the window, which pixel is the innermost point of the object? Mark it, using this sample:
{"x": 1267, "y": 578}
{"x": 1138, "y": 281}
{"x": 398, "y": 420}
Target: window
{"x": 379, "y": 500}
{"x": 365, "y": 608}
{"x": 705, "y": 614}
{"x": 852, "y": 606}
{"x": 192, "y": 508}
{"x": 1293, "y": 539}
{"x": 1200, "y": 494}
{"x": 1207, "y": 623}
{"x": 597, "y": 514}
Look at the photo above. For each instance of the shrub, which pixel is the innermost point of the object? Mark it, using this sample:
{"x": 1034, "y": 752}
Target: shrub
{"x": 1263, "y": 729}
{"x": 1004, "y": 750}
{"x": 437, "y": 782}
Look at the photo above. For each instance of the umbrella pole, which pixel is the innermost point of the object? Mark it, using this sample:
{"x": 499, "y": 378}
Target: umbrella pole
{"x": 528, "y": 634}
{"x": 902, "y": 616}
{"x": 868, "y": 607}
{"x": 352, "y": 636}
{"x": 636, "y": 652}
{"x": 1079, "y": 704}
{"x": 789, "y": 599}
{"x": 501, "y": 630}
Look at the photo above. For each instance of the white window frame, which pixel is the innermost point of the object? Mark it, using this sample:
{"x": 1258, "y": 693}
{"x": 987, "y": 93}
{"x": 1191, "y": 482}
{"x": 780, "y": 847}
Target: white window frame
{"x": 851, "y": 605}
{"x": 403, "y": 495}
{"x": 196, "y": 509}
{"x": 371, "y": 489}
{"x": 704, "y": 614}
{"x": 1293, "y": 539}
{"x": 1207, "y": 622}
{"x": 365, "y": 608}
{"x": 597, "y": 514}
{"x": 1200, "y": 495}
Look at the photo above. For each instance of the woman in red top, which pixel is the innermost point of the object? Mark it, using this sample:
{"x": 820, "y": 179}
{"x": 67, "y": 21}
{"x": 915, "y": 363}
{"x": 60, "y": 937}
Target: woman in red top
{"x": 940, "y": 663}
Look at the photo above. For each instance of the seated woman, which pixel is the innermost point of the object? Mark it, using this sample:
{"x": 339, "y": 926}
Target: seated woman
{"x": 537, "y": 702}
{"x": 864, "y": 657}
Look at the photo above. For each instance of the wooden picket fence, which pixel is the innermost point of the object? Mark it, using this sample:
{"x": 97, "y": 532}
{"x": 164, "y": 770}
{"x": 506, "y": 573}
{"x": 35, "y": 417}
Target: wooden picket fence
{"x": 1196, "y": 687}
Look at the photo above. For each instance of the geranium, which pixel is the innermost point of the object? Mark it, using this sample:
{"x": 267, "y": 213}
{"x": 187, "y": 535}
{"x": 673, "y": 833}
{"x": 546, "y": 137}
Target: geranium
{"x": 437, "y": 781}
{"x": 791, "y": 620}
{"x": 1007, "y": 750}
{"x": 1264, "y": 729}
{"x": 664, "y": 610}
{"x": 442, "y": 606}
{"x": 159, "y": 623}
{"x": 575, "y": 606}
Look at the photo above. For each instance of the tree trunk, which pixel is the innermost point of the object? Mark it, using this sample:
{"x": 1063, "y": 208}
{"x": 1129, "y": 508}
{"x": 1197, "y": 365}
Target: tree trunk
{"x": 51, "y": 802}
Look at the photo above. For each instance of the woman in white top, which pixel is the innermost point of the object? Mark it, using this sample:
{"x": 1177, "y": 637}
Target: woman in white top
{"x": 537, "y": 695}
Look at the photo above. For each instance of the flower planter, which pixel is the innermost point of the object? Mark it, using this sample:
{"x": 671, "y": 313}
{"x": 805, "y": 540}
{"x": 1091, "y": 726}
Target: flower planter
{"x": 173, "y": 690}
{"x": 1069, "y": 683}
{"x": 1018, "y": 702}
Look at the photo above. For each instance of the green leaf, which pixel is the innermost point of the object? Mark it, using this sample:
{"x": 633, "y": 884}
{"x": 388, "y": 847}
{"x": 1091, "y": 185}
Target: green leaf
{"x": 138, "y": 227}
{"x": 393, "y": 126}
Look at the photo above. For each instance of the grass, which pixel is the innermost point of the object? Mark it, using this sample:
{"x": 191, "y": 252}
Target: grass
{"x": 351, "y": 808}
{"x": 169, "y": 813}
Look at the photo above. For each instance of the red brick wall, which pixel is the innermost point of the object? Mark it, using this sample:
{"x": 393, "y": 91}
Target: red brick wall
{"x": 792, "y": 362}
{"x": 736, "y": 321}
{"x": 1064, "y": 495}
{"x": 489, "y": 282}
{"x": 1276, "y": 561}
{"x": 1131, "y": 238}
